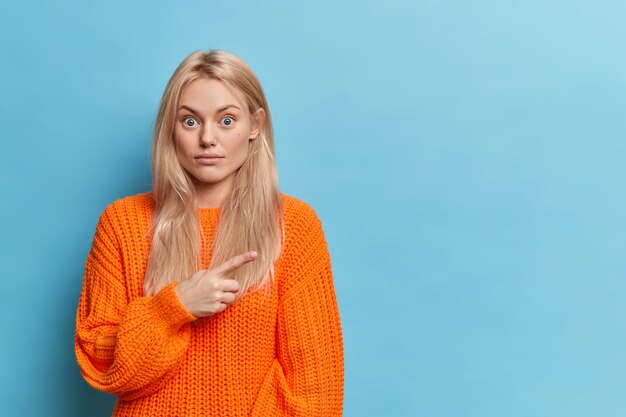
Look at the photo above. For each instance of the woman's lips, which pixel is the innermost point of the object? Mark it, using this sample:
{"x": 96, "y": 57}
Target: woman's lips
{"x": 209, "y": 160}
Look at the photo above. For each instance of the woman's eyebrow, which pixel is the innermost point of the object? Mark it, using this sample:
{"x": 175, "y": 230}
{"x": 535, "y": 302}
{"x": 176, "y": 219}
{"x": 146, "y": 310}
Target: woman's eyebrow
{"x": 218, "y": 110}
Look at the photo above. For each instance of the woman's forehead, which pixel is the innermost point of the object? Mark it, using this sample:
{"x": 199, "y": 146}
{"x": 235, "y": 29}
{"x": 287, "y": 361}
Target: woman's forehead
{"x": 212, "y": 93}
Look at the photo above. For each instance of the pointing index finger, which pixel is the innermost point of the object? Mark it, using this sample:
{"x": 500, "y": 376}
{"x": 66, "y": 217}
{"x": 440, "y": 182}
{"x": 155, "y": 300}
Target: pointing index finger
{"x": 237, "y": 261}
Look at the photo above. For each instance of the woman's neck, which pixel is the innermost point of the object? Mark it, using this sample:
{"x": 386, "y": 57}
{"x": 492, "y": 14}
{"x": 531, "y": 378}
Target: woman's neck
{"x": 212, "y": 195}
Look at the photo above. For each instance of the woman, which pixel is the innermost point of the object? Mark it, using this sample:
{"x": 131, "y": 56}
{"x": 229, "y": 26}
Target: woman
{"x": 171, "y": 319}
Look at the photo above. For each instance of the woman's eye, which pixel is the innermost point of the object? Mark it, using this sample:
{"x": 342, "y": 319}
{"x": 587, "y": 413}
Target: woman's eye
{"x": 189, "y": 121}
{"x": 228, "y": 120}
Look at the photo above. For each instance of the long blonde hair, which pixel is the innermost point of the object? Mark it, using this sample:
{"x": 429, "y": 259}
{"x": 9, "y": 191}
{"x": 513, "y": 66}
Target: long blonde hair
{"x": 251, "y": 217}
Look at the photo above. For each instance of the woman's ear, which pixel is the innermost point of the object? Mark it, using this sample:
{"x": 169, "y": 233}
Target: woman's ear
{"x": 256, "y": 122}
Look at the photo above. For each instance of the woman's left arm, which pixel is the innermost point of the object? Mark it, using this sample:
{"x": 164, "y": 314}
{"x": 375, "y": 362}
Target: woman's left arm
{"x": 307, "y": 377}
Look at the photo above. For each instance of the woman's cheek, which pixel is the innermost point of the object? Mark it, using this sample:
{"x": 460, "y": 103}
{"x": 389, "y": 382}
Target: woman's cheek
{"x": 235, "y": 135}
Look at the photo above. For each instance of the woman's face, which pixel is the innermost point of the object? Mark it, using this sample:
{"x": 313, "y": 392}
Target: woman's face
{"x": 213, "y": 131}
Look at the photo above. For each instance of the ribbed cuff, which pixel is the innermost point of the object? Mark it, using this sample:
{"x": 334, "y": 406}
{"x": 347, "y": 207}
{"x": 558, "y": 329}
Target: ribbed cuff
{"x": 169, "y": 309}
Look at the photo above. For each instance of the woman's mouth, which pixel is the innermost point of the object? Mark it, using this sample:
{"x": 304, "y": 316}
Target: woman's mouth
{"x": 208, "y": 160}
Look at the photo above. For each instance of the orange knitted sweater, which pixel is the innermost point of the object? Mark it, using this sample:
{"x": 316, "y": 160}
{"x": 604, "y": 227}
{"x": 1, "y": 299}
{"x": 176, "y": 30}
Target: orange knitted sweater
{"x": 281, "y": 357}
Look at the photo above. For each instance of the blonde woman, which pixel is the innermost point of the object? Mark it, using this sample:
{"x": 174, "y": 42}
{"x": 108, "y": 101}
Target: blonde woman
{"x": 211, "y": 295}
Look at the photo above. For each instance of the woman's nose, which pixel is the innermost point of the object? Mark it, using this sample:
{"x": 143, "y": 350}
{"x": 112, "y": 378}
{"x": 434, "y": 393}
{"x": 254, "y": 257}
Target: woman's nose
{"x": 207, "y": 138}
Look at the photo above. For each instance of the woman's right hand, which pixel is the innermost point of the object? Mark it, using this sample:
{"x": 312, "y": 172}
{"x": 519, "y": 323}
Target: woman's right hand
{"x": 210, "y": 291}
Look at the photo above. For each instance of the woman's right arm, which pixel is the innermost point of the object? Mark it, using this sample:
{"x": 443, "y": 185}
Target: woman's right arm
{"x": 128, "y": 349}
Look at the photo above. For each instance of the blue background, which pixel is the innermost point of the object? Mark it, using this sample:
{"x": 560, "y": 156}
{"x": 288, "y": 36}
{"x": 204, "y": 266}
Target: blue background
{"x": 467, "y": 160}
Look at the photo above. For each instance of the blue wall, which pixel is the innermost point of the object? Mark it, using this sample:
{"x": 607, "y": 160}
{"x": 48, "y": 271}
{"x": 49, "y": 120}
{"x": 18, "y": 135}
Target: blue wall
{"x": 467, "y": 160}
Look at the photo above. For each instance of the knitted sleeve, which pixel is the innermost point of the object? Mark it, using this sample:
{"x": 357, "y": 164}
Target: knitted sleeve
{"x": 307, "y": 377}
{"x": 128, "y": 349}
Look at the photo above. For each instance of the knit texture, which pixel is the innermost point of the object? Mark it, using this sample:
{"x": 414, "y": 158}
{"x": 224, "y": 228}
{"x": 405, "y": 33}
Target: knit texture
{"x": 282, "y": 356}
